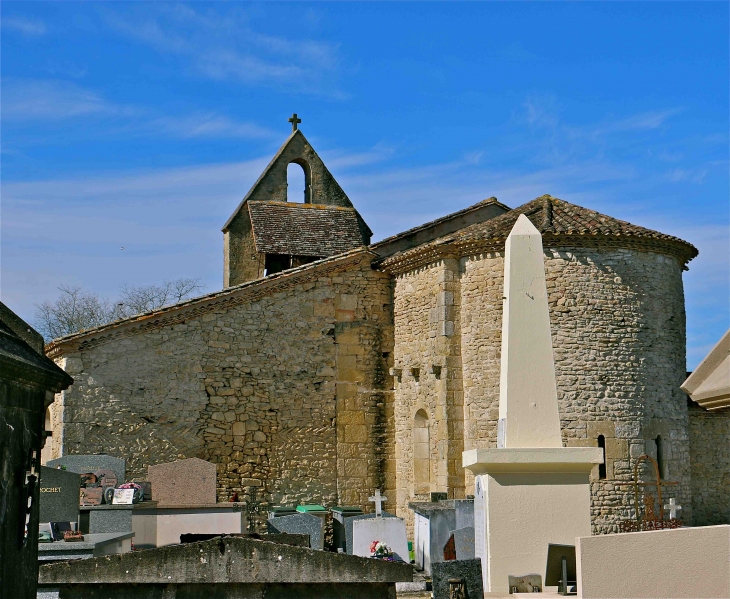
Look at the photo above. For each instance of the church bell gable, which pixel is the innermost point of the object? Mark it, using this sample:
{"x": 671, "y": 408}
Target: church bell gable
{"x": 324, "y": 224}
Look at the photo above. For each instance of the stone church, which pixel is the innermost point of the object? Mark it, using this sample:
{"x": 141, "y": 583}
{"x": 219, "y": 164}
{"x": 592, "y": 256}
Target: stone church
{"x": 329, "y": 366}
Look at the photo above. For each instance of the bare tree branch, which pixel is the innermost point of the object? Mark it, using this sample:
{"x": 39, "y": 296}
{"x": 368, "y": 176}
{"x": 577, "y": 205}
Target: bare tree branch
{"x": 76, "y": 310}
{"x": 137, "y": 300}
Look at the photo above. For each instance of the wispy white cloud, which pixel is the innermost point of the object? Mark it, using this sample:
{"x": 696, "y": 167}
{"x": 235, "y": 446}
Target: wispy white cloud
{"x": 544, "y": 112}
{"x": 639, "y": 122}
{"x": 209, "y": 124}
{"x": 696, "y": 175}
{"x": 52, "y": 100}
{"x": 227, "y": 47}
{"x": 32, "y": 27}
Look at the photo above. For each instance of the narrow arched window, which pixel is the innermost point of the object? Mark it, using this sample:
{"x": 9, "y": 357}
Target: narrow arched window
{"x": 421, "y": 454}
{"x": 602, "y": 467}
{"x": 660, "y": 458}
{"x": 295, "y": 183}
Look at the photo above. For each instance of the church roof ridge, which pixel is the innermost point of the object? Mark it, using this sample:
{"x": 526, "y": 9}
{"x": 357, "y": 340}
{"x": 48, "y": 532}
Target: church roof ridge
{"x": 488, "y": 201}
{"x": 556, "y": 220}
{"x": 194, "y": 307}
{"x": 304, "y": 205}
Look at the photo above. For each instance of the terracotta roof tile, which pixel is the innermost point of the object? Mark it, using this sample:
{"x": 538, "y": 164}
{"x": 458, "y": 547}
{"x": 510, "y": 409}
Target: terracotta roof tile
{"x": 555, "y": 219}
{"x": 306, "y": 229}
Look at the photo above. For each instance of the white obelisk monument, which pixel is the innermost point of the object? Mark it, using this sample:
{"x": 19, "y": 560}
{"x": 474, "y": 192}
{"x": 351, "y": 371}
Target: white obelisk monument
{"x": 530, "y": 491}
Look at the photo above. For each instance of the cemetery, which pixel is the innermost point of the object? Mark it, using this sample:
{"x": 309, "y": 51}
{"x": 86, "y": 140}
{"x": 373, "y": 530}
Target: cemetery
{"x": 527, "y": 530}
{"x": 364, "y": 491}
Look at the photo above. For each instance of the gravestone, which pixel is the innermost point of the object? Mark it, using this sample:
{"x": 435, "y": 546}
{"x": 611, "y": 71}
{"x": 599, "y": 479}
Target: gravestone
{"x": 339, "y": 515}
{"x": 92, "y": 463}
{"x": 470, "y": 571}
{"x": 189, "y": 482}
{"x": 59, "y": 495}
{"x": 391, "y": 531}
{"x": 106, "y": 478}
{"x": 303, "y": 524}
{"x": 464, "y": 542}
{"x": 435, "y": 523}
{"x": 348, "y": 527}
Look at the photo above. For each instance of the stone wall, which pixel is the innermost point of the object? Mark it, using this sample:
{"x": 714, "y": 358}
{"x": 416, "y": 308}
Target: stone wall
{"x": 709, "y": 433}
{"x": 427, "y": 362}
{"x": 617, "y": 319}
{"x": 241, "y": 261}
{"x": 281, "y": 383}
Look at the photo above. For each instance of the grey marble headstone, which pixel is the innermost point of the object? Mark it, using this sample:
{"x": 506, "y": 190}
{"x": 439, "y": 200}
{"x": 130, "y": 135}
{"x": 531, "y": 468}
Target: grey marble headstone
{"x": 306, "y": 524}
{"x": 59, "y": 495}
{"x": 106, "y": 518}
{"x": 464, "y": 542}
{"x": 348, "y": 527}
{"x": 468, "y": 570}
{"x": 92, "y": 463}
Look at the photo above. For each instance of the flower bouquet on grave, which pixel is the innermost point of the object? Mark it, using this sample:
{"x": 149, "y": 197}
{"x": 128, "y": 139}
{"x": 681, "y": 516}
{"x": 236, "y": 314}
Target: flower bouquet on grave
{"x": 137, "y": 490}
{"x": 380, "y": 550}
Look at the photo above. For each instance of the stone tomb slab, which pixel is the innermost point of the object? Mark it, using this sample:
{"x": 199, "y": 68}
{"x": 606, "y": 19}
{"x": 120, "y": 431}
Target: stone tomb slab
{"x": 306, "y": 524}
{"x": 188, "y": 482}
{"x": 464, "y": 542}
{"x": 391, "y": 531}
{"x": 106, "y": 519}
{"x": 227, "y": 567}
{"x": 470, "y": 571}
{"x": 82, "y": 464}
{"x": 59, "y": 495}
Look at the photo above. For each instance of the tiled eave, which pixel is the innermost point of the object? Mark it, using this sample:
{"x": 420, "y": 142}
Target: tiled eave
{"x": 422, "y": 256}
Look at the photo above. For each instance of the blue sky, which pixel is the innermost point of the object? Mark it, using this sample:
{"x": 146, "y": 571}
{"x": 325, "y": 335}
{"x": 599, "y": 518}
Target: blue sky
{"x": 143, "y": 124}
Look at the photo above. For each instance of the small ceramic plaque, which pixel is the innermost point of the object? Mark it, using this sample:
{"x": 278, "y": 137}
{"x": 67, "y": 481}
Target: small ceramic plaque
{"x": 123, "y": 496}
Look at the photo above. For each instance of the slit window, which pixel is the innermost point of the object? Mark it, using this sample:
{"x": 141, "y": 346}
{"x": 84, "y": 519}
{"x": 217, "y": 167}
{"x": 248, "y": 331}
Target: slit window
{"x": 602, "y": 467}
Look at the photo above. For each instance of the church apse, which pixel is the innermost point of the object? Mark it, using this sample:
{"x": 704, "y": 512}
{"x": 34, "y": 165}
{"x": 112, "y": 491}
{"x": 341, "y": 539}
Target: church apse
{"x": 267, "y": 233}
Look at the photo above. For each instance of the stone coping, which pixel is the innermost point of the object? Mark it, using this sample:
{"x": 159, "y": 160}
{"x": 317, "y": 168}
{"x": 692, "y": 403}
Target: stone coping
{"x": 225, "y": 505}
{"x": 532, "y": 459}
{"x": 227, "y": 560}
{"x": 425, "y": 508}
{"x": 91, "y": 540}
{"x": 106, "y": 506}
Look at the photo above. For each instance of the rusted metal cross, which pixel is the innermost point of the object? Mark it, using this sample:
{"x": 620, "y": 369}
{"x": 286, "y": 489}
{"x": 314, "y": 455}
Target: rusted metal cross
{"x": 649, "y": 521}
{"x": 294, "y": 121}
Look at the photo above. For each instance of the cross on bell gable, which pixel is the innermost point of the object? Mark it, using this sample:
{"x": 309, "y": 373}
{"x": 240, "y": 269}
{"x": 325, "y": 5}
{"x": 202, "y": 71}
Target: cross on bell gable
{"x": 294, "y": 121}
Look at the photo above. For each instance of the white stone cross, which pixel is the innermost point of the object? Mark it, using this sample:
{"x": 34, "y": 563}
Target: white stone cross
{"x": 673, "y": 507}
{"x": 378, "y": 499}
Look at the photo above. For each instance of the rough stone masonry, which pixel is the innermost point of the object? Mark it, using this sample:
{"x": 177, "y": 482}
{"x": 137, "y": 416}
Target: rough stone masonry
{"x": 377, "y": 365}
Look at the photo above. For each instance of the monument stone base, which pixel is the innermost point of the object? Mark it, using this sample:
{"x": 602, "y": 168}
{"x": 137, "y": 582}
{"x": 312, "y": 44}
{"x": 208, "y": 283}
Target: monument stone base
{"x": 525, "y": 499}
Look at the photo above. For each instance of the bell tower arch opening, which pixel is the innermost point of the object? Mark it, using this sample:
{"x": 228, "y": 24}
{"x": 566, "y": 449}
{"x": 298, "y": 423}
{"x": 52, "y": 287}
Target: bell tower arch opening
{"x": 298, "y": 176}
